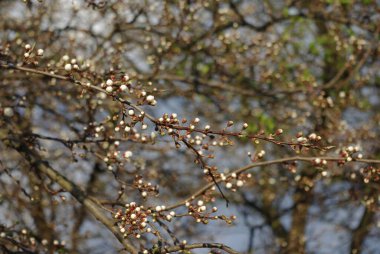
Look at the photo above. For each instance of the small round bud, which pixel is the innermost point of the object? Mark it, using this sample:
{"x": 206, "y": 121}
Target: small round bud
{"x": 127, "y": 154}
{"x": 123, "y": 87}
{"x": 300, "y": 139}
{"x": 109, "y": 82}
{"x": 40, "y": 52}
{"x": 313, "y": 136}
{"x": 8, "y": 112}
{"x": 68, "y": 67}
{"x": 65, "y": 58}
{"x": 150, "y": 98}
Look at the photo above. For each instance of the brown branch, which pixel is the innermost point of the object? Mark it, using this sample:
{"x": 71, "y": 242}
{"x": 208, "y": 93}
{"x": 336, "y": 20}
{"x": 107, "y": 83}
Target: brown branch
{"x": 371, "y": 48}
{"x": 150, "y": 117}
{"x": 199, "y": 246}
{"x": 266, "y": 163}
{"x": 90, "y": 203}
{"x": 361, "y": 231}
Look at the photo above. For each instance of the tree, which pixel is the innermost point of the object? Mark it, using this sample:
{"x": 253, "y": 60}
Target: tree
{"x": 152, "y": 126}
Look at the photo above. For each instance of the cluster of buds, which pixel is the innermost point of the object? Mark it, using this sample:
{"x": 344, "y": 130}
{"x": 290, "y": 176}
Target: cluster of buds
{"x": 261, "y": 154}
{"x": 200, "y": 212}
{"x": 30, "y": 55}
{"x": 133, "y": 220}
{"x": 129, "y": 129}
{"x": 145, "y": 188}
{"x": 358, "y": 43}
{"x": 160, "y": 213}
{"x": 96, "y": 129}
{"x": 114, "y": 84}
{"x": 234, "y": 181}
{"x": 69, "y": 64}
{"x": 127, "y": 155}
{"x": 197, "y": 140}
{"x": 258, "y": 155}
{"x": 313, "y": 137}
{"x": 25, "y": 238}
{"x": 319, "y": 161}
{"x": 123, "y": 83}
{"x": 370, "y": 174}
{"x": 350, "y": 152}
{"x": 112, "y": 156}
{"x": 170, "y": 119}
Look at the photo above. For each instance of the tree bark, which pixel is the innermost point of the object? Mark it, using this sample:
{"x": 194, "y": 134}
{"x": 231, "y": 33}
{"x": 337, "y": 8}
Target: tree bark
{"x": 360, "y": 232}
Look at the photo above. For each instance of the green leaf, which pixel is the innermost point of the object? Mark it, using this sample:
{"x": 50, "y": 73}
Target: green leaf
{"x": 346, "y": 2}
{"x": 313, "y": 49}
{"x": 203, "y": 68}
{"x": 262, "y": 121}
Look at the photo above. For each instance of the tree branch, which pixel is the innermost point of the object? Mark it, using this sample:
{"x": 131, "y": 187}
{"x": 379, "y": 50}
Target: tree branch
{"x": 199, "y": 246}
{"x": 267, "y": 163}
{"x": 91, "y": 204}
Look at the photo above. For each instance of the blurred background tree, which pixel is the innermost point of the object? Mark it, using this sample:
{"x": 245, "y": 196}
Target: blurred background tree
{"x": 127, "y": 126}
